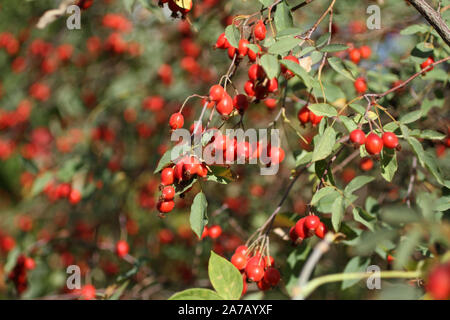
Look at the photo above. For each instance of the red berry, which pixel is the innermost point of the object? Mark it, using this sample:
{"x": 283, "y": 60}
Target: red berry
{"x": 216, "y": 93}
{"x": 167, "y": 177}
{"x": 355, "y": 55}
{"x": 249, "y": 88}
{"x": 360, "y": 85}
{"x": 365, "y": 52}
{"x": 214, "y": 232}
{"x": 225, "y": 106}
{"x": 241, "y": 249}
{"x": 426, "y": 63}
{"x": 270, "y": 103}
{"x": 166, "y": 206}
{"x": 122, "y": 248}
{"x": 256, "y": 72}
{"x": 240, "y": 102}
{"x": 272, "y": 276}
{"x": 29, "y": 263}
{"x": 312, "y": 222}
{"x": 273, "y": 85}
{"x": 239, "y": 261}
{"x": 321, "y": 230}
{"x": 439, "y": 282}
{"x": 176, "y": 121}
{"x": 293, "y": 234}
{"x": 252, "y": 55}
{"x": 373, "y": 144}
{"x": 88, "y": 292}
{"x": 231, "y": 52}
{"x": 276, "y": 155}
{"x": 303, "y": 115}
{"x": 300, "y": 229}
{"x": 315, "y": 120}
{"x": 358, "y": 137}
{"x": 269, "y": 261}
{"x": 366, "y": 164}
{"x": 260, "y": 30}
{"x": 390, "y": 140}
{"x": 263, "y": 285}
{"x": 222, "y": 42}
{"x": 288, "y": 73}
{"x": 243, "y": 49}
{"x": 168, "y": 193}
{"x": 254, "y": 272}
{"x": 74, "y": 196}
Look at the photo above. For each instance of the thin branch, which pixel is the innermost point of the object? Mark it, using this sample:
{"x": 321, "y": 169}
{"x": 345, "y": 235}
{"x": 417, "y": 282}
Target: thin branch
{"x": 434, "y": 19}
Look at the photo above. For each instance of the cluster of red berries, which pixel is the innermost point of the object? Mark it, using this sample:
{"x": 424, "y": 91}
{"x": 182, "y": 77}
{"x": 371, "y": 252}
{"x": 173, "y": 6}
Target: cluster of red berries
{"x": 373, "y": 143}
{"x": 259, "y": 86}
{"x": 307, "y": 227}
{"x": 305, "y": 115}
{"x": 184, "y": 170}
{"x": 55, "y": 191}
{"x": 18, "y": 274}
{"x": 255, "y": 267}
{"x": 13, "y": 118}
{"x": 213, "y": 232}
{"x": 356, "y": 54}
{"x": 9, "y": 43}
{"x": 438, "y": 284}
{"x": 116, "y": 22}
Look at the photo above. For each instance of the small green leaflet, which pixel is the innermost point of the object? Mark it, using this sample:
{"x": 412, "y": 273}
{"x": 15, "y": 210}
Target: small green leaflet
{"x": 271, "y": 65}
{"x": 324, "y": 145}
{"x": 323, "y": 109}
{"x": 338, "y": 66}
{"x": 337, "y": 213}
{"x": 357, "y": 183}
{"x": 196, "y": 294}
{"x": 232, "y": 35}
{"x": 334, "y": 47}
{"x": 284, "y": 45}
{"x": 198, "y": 218}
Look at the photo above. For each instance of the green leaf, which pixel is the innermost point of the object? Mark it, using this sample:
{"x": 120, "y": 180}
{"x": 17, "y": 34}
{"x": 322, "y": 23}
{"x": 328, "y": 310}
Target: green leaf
{"x": 411, "y": 117}
{"x": 415, "y": 28}
{"x": 225, "y": 277}
{"x": 299, "y": 72}
{"x": 388, "y": 164}
{"x": 321, "y": 194}
{"x": 337, "y": 213}
{"x": 167, "y": 157}
{"x": 349, "y": 124}
{"x": 364, "y": 218}
{"x": 406, "y": 248}
{"x": 356, "y": 264}
{"x": 271, "y": 65}
{"x": 284, "y": 45}
{"x": 198, "y": 218}
{"x": 303, "y": 158}
{"x": 431, "y": 135}
{"x": 40, "y": 183}
{"x": 426, "y": 159}
{"x": 323, "y": 109}
{"x": 196, "y": 294}
{"x": 323, "y": 39}
{"x": 324, "y": 145}
{"x": 334, "y": 47}
{"x": 232, "y": 35}
{"x": 283, "y": 17}
{"x": 358, "y": 183}
{"x": 338, "y": 66}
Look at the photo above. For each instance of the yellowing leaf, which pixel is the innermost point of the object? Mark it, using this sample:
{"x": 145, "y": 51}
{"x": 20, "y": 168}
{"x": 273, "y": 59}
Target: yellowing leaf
{"x": 184, "y": 4}
{"x": 306, "y": 63}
